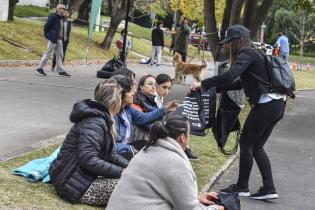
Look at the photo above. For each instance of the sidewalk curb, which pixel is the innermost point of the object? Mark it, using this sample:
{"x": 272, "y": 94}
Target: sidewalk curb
{"x": 219, "y": 173}
{"x": 33, "y": 147}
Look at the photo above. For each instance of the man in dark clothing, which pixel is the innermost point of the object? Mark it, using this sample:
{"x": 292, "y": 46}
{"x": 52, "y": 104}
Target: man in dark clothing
{"x": 53, "y": 32}
{"x": 157, "y": 38}
{"x": 66, "y": 35}
{"x": 181, "y": 39}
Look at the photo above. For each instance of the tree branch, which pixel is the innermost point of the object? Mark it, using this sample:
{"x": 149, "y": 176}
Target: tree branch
{"x": 260, "y": 16}
{"x": 236, "y": 11}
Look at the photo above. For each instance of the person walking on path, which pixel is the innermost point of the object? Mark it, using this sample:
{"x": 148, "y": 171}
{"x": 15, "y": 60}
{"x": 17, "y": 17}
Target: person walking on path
{"x": 67, "y": 25}
{"x": 157, "y": 43}
{"x": 181, "y": 39}
{"x": 267, "y": 109}
{"x": 53, "y": 32}
{"x": 283, "y": 45}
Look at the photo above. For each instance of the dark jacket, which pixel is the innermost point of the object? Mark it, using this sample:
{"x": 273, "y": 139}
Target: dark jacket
{"x": 250, "y": 60}
{"x": 181, "y": 39}
{"x": 86, "y": 153}
{"x": 52, "y": 27}
{"x": 157, "y": 37}
{"x": 69, "y": 27}
{"x": 146, "y": 103}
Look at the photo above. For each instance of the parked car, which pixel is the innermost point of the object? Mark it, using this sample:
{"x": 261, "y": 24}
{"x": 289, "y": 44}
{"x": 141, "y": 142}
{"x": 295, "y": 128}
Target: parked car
{"x": 195, "y": 40}
{"x": 269, "y": 48}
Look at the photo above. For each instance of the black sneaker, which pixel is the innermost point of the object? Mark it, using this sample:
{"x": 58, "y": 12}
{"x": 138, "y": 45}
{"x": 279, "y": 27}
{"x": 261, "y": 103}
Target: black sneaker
{"x": 41, "y": 72}
{"x": 233, "y": 188}
{"x": 64, "y": 74}
{"x": 264, "y": 194}
{"x": 190, "y": 155}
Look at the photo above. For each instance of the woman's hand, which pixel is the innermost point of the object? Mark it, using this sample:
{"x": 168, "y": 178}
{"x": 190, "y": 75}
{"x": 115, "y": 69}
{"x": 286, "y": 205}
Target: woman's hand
{"x": 195, "y": 86}
{"x": 208, "y": 198}
{"x": 171, "y": 106}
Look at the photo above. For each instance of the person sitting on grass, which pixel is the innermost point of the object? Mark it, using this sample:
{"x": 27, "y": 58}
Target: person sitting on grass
{"x": 163, "y": 87}
{"x": 87, "y": 167}
{"x": 128, "y": 116}
{"x": 160, "y": 176}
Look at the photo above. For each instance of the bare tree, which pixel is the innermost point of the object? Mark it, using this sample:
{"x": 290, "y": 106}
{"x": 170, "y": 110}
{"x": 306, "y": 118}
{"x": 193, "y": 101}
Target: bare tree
{"x": 250, "y": 13}
{"x": 117, "y": 10}
{"x": 302, "y": 30}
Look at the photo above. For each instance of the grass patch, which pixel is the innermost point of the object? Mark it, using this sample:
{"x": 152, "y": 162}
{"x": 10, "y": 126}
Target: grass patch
{"x": 31, "y": 11}
{"x": 304, "y": 79}
{"x": 305, "y": 60}
{"x": 30, "y": 34}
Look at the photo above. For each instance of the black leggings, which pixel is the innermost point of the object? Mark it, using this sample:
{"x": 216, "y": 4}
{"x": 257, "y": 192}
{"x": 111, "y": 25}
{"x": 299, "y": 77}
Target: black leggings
{"x": 257, "y": 128}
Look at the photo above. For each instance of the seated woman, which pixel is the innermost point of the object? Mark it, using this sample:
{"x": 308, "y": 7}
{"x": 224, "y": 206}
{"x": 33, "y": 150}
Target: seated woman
{"x": 163, "y": 87}
{"x": 161, "y": 176}
{"x": 128, "y": 116}
{"x": 87, "y": 167}
{"x": 144, "y": 98}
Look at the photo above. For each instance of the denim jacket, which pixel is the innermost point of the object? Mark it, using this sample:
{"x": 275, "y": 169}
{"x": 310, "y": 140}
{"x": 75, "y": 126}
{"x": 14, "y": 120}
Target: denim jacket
{"x": 135, "y": 117}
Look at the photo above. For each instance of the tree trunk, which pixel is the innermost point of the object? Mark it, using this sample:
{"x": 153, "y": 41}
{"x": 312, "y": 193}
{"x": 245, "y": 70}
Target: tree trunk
{"x": 226, "y": 17}
{"x": 249, "y": 12}
{"x": 236, "y": 12}
{"x": 302, "y": 41}
{"x": 84, "y": 12}
{"x": 12, "y": 4}
{"x": 261, "y": 15}
{"x": 117, "y": 10}
{"x": 211, "y": 27}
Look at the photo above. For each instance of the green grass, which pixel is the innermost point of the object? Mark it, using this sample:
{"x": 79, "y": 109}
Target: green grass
{"x": 30, "y": 34}
{"x": 304, "y": 79}
{"x": 31, "y": 11}
{"x": 305, "y": 59}
{"x": 16, "y": 193}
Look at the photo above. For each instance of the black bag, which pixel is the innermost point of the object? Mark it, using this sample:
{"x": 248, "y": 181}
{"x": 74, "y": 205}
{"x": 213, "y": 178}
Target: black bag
{"x": 109, "y": 68}
{"x": 199, "y": 107}
{"x": 230, "y": 201}
{"x": 226, "y": 121}
{"x": 281, "y": 79}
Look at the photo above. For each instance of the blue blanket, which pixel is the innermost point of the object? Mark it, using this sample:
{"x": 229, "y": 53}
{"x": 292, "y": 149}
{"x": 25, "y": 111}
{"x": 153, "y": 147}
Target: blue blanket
{"x": 37, "y": 170}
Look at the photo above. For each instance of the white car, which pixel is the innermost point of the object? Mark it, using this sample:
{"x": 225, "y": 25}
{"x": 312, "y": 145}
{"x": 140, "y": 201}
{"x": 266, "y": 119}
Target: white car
{"x": 269, "y": 48}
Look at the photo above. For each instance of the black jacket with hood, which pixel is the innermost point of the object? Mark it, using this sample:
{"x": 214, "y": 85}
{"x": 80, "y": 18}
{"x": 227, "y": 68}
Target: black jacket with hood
{"x": 87, "y": 152}
{"x": 249, "y": 60}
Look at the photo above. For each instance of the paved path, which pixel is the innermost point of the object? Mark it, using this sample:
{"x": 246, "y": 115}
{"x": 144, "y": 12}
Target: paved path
{"x": 291, "y": 149}
{"x": 34, "y": 108}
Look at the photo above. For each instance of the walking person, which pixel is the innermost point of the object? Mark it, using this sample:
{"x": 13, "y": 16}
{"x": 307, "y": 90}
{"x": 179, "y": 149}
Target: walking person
{"x": 283, "y": 45}
{"x": 53, "y": 32}
{"x": 157, "y": 38}
{"x": 267, "y": 109}
{"x": 65, "y": 40}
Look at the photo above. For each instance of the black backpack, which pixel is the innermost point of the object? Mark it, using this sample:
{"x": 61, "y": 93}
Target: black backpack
{"x": 281, "y": 79}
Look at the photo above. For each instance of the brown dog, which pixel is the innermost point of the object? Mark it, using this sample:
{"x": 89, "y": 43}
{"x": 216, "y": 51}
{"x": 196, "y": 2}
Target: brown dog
{"x": 182, "y": 69}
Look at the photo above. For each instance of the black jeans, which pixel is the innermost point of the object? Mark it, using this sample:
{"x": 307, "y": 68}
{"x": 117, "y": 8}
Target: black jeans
{"x": 257, "y": 128}
{"x": 64, "y": 45}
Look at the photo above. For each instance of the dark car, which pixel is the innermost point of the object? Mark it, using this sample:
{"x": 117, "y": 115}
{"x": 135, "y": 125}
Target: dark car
{"x": 199, "y": 40}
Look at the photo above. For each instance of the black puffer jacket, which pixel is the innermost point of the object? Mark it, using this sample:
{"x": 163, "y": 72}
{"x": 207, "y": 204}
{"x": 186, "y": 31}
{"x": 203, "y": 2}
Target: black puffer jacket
{"x": 86, "y": 153}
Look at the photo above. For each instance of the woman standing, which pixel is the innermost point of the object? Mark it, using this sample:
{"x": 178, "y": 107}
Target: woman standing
{"x": 161, "y": 176}
{"x": 267, "y": 109}
{"x": 87, "y": 167}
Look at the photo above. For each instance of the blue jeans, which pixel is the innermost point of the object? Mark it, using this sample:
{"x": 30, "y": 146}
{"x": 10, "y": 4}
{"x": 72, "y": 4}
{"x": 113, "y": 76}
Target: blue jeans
{"x": 284, "y": 56}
